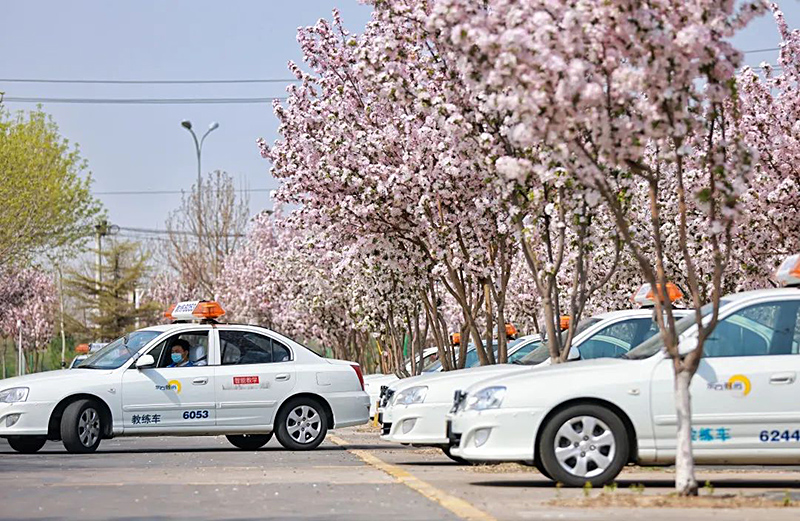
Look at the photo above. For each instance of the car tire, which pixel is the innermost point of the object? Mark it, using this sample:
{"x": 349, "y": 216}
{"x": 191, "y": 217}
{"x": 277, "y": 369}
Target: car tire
{"x": 81, "y": 427}
{"x": 249, "y": 441}
{"x": 27, "y": 444}
{"x": 301, "y": 424}
{"x": 460, "y": 461}
{"x": 592, "y": 443}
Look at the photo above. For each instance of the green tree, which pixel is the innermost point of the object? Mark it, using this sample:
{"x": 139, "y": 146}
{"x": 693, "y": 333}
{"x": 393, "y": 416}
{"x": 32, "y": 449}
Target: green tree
{"x": 45, "y": 198}
{"x": 110, "y": 305}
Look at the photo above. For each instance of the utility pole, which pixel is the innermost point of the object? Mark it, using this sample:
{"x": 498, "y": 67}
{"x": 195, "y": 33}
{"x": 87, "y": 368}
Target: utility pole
{"x": 101, "y": 229}
{"x": 61, "y": 317}
{"x": 20, "y": 357}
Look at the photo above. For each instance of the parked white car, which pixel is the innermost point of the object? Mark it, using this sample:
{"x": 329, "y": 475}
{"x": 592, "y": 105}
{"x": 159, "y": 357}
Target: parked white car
{"x": 418, "y": 407}
{"x": 245, "y": 382}
{"x": 584, "y": 421}
{"x": 374, "y": 382}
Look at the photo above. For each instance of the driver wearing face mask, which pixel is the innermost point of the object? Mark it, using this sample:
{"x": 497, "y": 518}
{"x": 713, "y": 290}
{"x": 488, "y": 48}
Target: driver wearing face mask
{"x": 180, "y": 354}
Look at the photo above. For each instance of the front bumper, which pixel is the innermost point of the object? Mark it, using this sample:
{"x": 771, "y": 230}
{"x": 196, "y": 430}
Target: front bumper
{"x": 419, "y": 424}
{"x": 494, "y": 434}
{"x": 32, "y": 421}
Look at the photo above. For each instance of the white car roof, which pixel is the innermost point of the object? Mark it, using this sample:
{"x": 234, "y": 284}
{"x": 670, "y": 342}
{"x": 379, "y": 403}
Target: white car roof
{"x": 759, "y": 293}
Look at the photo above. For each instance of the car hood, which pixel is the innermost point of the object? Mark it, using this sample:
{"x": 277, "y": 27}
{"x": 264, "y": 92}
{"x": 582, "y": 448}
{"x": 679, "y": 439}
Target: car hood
{"x": 441, "y": 386}
{"x": 50, "y": 377}
{"x": 543, "y": 380}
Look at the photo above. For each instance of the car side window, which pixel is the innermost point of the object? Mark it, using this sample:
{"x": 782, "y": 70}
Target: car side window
{"x": 198, "y": 348}
{"x": 246, "y": 347}
{"x": 614, "y": 340}
{"x": 770, "y": 328}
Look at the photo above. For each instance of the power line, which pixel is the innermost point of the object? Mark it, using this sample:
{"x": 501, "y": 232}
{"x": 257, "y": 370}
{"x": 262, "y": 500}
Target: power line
{"x": 154, "y": 231}
{"x": 165, "y": 192}
{"x": 143, "y": 101}
{"x": 751, "y": 52}
{"x": 149, "y": 82}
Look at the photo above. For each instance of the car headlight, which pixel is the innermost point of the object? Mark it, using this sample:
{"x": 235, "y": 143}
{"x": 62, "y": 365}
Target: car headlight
{"x": 15, "y": 394}
{"x": 411, "y": 395}
{"x": 488, "y": 398}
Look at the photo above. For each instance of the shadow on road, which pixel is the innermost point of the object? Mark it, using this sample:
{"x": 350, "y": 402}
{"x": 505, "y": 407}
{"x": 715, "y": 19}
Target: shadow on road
{"x": 187, "y": 450}
{"x": 653, "y": 483}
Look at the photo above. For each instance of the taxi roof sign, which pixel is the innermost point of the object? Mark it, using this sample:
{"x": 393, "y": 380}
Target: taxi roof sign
{"x": 645, "y": 296}
{"x": 788, "y": 273}
{"x": 195, "y": 310}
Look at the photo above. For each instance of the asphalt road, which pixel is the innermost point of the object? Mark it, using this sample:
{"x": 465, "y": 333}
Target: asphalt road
{"x": 352, "y": 476}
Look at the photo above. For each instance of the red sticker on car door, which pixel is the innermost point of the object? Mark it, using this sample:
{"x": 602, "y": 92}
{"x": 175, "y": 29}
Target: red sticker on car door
{"x": 245, "y": 380}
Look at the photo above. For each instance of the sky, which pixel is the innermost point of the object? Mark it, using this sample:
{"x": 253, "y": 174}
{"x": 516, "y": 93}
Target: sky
{"x": 143, "y": 148}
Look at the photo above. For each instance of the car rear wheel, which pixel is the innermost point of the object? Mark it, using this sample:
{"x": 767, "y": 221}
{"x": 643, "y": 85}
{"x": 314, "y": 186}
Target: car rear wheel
{"x": 249, "y": 441}
{"x": 584, "y": 444}
{"x": 302, "y": 424}
{"x": 27, "y": 444}
{"x": 461, "y": 461}
{"x": 81, "y": 427}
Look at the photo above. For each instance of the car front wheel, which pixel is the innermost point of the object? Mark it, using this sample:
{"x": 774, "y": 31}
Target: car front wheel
{"x": 584, "y": 444}
{"x": 27, "y": 444}
{"x": 302, "y": 424}
{"x": 81, "y": 427}
{"x": 249, "y": 441}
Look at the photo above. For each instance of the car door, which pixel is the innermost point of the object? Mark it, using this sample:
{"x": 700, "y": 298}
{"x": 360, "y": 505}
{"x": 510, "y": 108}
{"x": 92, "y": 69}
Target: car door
{"x": 169, "y": 399}
{"x": 745, "y": 391}
{"x": 256, "y": 372}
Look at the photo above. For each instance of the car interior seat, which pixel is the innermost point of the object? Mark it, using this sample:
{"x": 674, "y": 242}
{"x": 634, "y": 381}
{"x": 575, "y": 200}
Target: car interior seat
{"x": 198, "y": 355}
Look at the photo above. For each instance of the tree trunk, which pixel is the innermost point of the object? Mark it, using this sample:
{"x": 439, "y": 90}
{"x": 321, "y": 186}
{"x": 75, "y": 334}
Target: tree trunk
{"x": 685, "y": 482}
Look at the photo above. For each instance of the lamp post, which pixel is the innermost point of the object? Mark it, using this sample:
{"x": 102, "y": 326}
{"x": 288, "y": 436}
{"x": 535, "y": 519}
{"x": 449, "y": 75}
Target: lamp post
{"x": 198, "y": 147}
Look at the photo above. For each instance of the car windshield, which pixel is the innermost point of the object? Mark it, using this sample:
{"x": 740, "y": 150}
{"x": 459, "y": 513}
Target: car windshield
{"x": 654, "y": 344}
{"x": 119, "y": 351}
{"x": 542, "y": 352}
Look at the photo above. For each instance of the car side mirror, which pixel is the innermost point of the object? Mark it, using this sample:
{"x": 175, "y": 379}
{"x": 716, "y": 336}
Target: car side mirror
{"x": 145, "y": 361}
{"x": 574, "y": 354}
{"x": 687, "y": 345}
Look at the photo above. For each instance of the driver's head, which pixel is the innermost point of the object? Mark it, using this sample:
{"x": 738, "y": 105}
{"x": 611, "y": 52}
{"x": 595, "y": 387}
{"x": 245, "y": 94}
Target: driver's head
{"x": 180, "y": 348}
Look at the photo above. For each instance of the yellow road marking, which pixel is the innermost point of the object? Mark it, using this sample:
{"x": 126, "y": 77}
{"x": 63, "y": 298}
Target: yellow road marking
{"x": 458, "y": 506}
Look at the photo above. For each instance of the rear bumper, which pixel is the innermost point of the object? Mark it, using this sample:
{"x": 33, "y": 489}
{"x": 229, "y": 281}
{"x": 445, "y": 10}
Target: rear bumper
{"x": 349, "y": 408}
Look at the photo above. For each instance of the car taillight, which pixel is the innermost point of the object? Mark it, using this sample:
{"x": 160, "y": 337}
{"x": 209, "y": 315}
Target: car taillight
{"x": 357, "y": 369}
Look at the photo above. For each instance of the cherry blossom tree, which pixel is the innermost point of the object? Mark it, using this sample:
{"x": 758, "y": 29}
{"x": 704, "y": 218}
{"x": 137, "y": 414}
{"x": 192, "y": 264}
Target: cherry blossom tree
{"x": 770, "y": 124}
{"x": 625, "y": 93}
{"x": 28, "y": 297}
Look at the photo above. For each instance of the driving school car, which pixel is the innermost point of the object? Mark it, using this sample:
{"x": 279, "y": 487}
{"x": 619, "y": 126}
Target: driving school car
{"x": 416, "y": 412}
{"x": 245, "y": 382}
{"x": 581, "y": 423}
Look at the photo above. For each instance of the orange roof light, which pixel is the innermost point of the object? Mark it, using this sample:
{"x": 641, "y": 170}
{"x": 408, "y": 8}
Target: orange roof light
{"x": 194, "y": 310}
{"x": 511, "y": 331}
{"x": 788, "y": 273}
{"x": 82, "y": 348}
{"x": 455, "y": 338}
{"x": 646, "y": 297}
{"x": 168, "y": 313}
{"x": 564, "y": 322}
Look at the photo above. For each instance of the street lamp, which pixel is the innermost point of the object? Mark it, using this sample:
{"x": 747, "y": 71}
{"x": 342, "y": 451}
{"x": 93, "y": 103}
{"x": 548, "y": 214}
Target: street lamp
{"x": 198, "y": 146}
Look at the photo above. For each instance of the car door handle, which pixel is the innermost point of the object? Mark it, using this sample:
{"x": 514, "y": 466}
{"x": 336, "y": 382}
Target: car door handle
{"x": 282, "y": 377}
{"x": 200, "y": 381}
{"x": 782, "y": 378}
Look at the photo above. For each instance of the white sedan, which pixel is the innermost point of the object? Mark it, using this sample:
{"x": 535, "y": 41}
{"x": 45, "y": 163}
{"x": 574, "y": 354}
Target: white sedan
{"x": 584, "y": 421}
{"x": 418, "y": 406}
{"x": 245, "y": 382}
